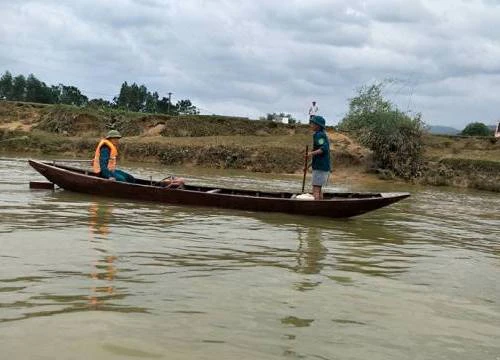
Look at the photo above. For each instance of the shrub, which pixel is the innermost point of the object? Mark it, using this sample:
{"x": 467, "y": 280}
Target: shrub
{"x": 477, "y": 129}
{"x": 395, "y": 138}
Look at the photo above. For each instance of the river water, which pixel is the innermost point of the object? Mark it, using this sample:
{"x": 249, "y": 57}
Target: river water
{"x": 85, "y": 277}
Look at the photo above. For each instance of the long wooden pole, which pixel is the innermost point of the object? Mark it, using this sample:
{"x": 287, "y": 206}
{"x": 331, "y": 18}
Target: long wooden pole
{"x": 305, "y": 169}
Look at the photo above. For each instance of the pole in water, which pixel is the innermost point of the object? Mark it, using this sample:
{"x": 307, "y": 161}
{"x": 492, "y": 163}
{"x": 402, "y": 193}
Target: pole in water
{"x": 305, "y": 169}
{"x": 41, "y": 185}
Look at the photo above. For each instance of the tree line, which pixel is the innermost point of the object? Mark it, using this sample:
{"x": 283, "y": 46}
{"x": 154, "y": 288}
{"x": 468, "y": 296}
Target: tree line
{"x": 478, "y": 129}
{"x": 279, "y": 117}
{"x": 131, "y": 97}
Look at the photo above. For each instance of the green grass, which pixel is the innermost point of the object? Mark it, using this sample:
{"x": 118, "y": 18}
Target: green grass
{"x": 473, "y": 166}
{"x": 439, "y": 147}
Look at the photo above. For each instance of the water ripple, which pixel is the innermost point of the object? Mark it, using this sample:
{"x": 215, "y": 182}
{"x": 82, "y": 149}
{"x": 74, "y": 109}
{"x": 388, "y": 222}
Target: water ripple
{"x": 422, "y": 272}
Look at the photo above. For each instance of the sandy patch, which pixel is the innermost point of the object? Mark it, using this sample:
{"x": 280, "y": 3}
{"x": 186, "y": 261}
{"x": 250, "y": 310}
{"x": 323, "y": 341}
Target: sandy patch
{"x": 155, "y": 130}
{"x": 16, "y": 125}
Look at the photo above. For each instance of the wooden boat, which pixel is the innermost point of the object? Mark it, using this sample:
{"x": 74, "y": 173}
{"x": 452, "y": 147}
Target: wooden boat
{"x": 334, "y": 205}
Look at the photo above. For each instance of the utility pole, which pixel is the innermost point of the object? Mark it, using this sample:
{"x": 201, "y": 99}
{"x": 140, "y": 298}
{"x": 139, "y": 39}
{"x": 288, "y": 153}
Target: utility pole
{"x": 168, "y": 106}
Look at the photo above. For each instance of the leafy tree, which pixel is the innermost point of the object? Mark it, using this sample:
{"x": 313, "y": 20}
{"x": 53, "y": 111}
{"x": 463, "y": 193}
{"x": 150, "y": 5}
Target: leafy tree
{"x": 133, "y": 97}
{"x": 123, "y": 98}
{"x": 71, "y": 95}
{"x": 477, "y": 129}
{"x": 120, "y": 99}
{"x": 366, "y": 108}
{"x": 33, "y": 88}
{"x": 100, "y": 103}
{"x": 185, "y": 107}
{"x": 395, "y": 138}
{"x": 6, "y": 86}
{"x": 139, "y": 95}
{"x": 271, "y": 117}
{"x": 138, "y": 98}
{"x": 38, "y": 91}
{"x": 278, "y": 117}
{"x": 151, "y": 105}
{"x": 18, "y": 88}
{"x": 165, "y": 107}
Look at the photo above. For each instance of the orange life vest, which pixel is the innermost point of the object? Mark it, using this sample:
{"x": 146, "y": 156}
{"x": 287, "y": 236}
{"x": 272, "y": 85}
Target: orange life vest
{"x": 112, "y": 156}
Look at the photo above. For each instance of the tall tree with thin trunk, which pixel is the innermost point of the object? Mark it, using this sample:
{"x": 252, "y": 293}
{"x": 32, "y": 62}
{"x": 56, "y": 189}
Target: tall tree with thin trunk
{"x": 18, "y": 88}
{"x": 6, "y": 86}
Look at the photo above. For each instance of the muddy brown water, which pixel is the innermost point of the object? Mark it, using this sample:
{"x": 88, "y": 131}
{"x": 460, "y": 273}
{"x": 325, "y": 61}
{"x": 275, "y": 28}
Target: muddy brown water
{"x": 85, "y": 277}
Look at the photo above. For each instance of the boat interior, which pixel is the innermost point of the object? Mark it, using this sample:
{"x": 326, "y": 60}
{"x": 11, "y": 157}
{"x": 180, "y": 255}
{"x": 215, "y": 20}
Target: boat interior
{"x": 237, "y": 192}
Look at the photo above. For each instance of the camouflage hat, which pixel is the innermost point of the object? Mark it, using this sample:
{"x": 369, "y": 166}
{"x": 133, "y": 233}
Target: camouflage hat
{"x": 113, "y": 134}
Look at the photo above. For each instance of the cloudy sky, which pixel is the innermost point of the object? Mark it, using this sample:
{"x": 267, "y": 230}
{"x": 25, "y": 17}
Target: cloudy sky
{"x": 252, "y": 57}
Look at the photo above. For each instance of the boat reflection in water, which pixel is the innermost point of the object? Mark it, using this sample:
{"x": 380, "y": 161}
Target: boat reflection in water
{"x": 104, "y": 268}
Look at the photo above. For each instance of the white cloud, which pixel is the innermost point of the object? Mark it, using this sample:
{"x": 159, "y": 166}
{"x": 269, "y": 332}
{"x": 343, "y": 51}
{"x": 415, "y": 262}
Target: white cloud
{"x": 260, "y": 56}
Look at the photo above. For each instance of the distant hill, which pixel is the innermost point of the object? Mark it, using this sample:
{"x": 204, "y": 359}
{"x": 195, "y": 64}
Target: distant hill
{"x": 442, "y": 130}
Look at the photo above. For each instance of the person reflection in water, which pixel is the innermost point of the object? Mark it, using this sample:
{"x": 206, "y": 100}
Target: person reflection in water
{"x": 99, "y": 220}
{"x": 310, "y": 255}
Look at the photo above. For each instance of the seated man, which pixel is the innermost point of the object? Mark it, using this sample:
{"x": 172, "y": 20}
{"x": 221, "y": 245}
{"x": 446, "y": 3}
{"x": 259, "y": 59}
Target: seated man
{"x": 105, "y": 158}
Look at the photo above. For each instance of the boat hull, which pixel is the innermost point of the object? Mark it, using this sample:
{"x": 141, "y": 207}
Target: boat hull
{"x": 341, "y": 205}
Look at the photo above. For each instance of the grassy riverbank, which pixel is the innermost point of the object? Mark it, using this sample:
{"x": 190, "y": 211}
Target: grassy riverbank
{"x": 227, "y": 142}
{"x": 211, "y": 141}
{"x": 472, "y": 162}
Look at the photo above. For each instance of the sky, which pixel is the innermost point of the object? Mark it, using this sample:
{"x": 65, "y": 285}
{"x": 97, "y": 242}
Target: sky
{"x": 253, "y": 57}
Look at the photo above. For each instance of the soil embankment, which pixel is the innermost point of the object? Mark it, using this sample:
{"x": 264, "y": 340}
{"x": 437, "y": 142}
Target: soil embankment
{"x": 472, "y": 162}
{"x": 228, "y": 142}
{"x": 211, "y": 141}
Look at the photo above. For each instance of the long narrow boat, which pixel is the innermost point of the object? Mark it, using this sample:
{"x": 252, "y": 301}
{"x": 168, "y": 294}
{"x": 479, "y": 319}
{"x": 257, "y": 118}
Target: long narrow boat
{"x": 334, "y": 205}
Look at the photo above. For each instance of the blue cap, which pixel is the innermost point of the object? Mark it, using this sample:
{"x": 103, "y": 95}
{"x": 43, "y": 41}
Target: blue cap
{"x": 318, "y": 120}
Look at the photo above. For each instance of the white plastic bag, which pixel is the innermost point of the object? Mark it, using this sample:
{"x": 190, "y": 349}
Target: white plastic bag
{"x": 305, "y": 197}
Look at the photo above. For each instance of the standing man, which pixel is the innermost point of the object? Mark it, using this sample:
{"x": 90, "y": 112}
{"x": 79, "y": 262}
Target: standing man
{"x": 313, "y": 110}
{"x": 320, "y": 156}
